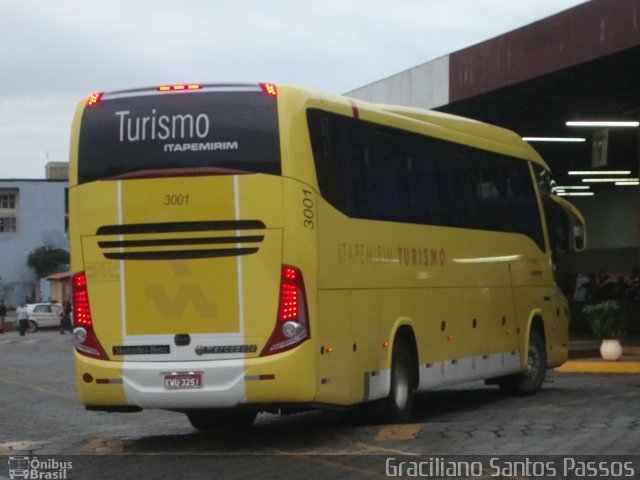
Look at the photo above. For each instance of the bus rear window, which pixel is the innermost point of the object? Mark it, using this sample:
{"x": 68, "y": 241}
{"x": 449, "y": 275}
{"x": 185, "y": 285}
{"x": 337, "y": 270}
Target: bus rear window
{"x": 222, "y": 129}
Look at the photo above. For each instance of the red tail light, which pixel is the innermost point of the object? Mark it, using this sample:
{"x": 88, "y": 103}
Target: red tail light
{"x": 292, "y": 322}
{"x": 81, "y": 310}
{"x": 86, "y": 341}
{"x": 270, "y": 89}
{"x": 94, "y": 99}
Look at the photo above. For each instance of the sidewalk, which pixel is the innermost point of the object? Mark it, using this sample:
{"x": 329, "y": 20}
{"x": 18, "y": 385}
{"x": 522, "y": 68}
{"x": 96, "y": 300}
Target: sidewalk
{"x": 584, "y": 357}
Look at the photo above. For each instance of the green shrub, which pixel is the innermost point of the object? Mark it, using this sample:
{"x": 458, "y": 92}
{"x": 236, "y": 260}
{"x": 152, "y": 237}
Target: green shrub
{"x": 607, "y": 319}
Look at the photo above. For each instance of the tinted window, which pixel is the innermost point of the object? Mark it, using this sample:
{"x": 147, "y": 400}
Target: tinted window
{"x": 122, "y": 134}
{"x": 371, "y": 171}
{"x": 546, "y": 183}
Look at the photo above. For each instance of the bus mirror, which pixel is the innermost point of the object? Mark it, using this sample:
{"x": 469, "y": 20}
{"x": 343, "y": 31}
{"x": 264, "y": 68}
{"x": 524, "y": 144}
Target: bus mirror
{"x": 576, "y": 221}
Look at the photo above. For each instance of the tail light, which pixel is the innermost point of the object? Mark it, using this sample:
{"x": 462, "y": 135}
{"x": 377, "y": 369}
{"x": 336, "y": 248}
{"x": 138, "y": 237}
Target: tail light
{"x": 292, "y": 322}
{"x": 270, "y": 89}
{"x": 94, "y": 99}
{"x": 85, "y": 338}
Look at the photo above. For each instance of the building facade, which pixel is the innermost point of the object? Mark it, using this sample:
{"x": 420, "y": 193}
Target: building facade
{"x": 32, "y": 215}
{"x": 582, "y": 64}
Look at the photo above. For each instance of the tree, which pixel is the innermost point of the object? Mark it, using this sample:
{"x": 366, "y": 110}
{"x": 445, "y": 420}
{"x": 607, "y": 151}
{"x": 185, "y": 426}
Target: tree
{"x": 46, "y": 260}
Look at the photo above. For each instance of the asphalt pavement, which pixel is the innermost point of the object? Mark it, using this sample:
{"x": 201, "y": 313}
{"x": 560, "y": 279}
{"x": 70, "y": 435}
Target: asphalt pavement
{"x": 40, "y": 417}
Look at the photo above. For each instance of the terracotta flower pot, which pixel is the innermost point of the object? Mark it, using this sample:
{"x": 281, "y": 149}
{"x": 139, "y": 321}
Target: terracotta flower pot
{"x": 611, "y": 349}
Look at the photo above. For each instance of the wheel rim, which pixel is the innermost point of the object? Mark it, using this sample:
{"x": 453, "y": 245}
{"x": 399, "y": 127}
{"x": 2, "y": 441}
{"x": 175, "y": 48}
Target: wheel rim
{"x": 401, "y": 384}
{"x": 533, "y": 365}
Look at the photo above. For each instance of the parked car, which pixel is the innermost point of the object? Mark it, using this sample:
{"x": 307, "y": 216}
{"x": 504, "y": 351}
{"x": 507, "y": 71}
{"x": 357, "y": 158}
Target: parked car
{"x": 42, "y": 315}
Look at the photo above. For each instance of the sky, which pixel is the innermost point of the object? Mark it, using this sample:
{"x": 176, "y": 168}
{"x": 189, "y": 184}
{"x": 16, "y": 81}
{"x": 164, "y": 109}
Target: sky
{"x": 55, "y": 53}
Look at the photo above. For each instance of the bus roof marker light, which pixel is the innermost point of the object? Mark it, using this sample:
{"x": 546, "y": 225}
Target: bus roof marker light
{"x": 94, "y": 99}
{"x": 179, "y": 87}
{"x": 270, "y": 89}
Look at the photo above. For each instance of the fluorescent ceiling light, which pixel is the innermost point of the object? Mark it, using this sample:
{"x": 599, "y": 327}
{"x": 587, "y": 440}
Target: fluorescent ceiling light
{"x": 573, "y": 187}
{"x": 576, "y": 194}
{"x": 628, "y": 183}
{"x": 600, "y": 172}
{"x": 553, "y": 139}
{"x": 601, "y": 123}
{"x": 608, "y": 180}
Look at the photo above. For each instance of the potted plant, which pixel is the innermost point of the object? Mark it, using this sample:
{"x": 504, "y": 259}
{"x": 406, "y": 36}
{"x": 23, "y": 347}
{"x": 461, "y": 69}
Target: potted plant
{"x": 607, "y": 320}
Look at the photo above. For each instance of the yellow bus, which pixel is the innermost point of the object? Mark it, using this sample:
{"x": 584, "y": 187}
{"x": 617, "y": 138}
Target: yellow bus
{"x": 247, "y": 248}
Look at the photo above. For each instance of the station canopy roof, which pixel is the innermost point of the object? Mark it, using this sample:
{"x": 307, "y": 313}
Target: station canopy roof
{"x": 582, "y": 64}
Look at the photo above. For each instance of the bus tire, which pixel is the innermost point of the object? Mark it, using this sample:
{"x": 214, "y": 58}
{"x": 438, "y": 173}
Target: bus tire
{"x": 399, "y": 403}
{"x": 529, "y": 381}
{"x": 222, "y": 421}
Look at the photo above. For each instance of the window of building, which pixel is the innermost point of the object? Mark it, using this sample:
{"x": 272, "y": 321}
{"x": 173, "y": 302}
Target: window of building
{"x": 8, "y": 210}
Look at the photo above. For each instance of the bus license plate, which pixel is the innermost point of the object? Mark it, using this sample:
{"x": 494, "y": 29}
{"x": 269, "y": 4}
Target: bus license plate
{"x": 175, "y": 381}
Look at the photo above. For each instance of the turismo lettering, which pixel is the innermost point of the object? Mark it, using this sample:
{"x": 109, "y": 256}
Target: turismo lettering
{"x": 162, "y": 127}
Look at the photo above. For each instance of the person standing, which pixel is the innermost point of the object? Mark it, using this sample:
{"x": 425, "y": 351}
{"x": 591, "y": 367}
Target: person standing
{"x": 3, "y": 314}
{"x": 65, "y": 318}
{"x": 23, "y": 318}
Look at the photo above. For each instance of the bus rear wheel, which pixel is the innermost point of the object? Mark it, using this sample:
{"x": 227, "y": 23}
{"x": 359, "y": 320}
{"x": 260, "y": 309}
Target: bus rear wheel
{"x": 222, "y": 421}
{"x": 399, "y": 403}
{"x": 529, "y": 381}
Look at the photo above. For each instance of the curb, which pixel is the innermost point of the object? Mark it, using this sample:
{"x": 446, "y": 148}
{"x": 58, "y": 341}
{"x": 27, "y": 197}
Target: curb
{"x": 598, "y": 366}
{"x": 584, "y": 357}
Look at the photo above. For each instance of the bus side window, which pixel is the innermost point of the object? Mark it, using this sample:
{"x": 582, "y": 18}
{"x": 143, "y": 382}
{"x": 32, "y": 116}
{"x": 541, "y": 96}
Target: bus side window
{"x": 385, "y": 174}
{"x": 351, "y": 158}
{"x": 423, "y": 184}
{"x": 509, "y": 203}
{"x": 461, "y": 171}
{"x": 376, "y": 172}
{"x": 557, "y": 226}
{"x": 524, "y": 211}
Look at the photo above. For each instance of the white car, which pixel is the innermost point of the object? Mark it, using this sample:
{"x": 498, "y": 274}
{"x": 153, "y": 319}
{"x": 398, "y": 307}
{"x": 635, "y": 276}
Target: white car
{"x": 42, "y": 315}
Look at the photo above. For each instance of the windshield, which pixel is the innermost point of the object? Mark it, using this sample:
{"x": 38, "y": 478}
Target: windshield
{"x": 127, "y": 133}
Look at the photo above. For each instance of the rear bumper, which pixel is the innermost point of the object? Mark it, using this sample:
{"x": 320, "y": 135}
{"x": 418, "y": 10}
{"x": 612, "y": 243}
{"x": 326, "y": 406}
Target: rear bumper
{"x": 285, "y": 378}
{"x": 222, "y": 384}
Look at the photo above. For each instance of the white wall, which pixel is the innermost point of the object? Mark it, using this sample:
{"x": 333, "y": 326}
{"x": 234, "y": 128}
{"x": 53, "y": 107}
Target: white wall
{"x": 612, "y": 218}
{"x": 424, "y": 86}
{"x": 41, "y": 220}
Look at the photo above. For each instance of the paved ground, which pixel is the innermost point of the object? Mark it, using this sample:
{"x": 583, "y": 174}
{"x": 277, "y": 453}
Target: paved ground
{"x": 575, "y": 414}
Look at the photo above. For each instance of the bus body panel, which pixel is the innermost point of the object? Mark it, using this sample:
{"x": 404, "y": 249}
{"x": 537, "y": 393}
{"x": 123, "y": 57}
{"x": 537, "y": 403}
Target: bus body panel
{"x": 285, "y": 378}
{"x": 457, "y": 295}
{"x": 160, "y": 301}
{"x": 549, "y": 305}
{"x": 152, "y": 298}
